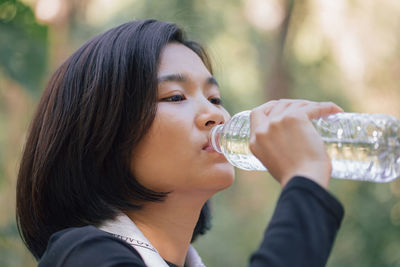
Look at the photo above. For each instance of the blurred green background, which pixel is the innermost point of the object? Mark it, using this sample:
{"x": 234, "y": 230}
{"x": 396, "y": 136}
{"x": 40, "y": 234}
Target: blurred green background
{"x": 342, "y": 51}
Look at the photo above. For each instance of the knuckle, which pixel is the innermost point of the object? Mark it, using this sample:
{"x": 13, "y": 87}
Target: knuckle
{"x": 254, "y": 141}
{"x": 290, "y": 118}
{"x": 258, "y": 134}
{"x": 252, "y": 144}
{"x": 274, "y": 125}
{"x": 304, "y": 103}
{"x": 270, "y": 104}
{"x": 257, "y": 110}
{"x": 252, "y": 113}
{"x": 328, "y": 103}
{"x": 294, "y": 119}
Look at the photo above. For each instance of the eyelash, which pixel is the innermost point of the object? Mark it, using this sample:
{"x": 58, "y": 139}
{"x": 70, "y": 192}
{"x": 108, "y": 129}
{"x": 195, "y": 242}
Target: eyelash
{"x": 214, "y": 100}
{"x": 170, "y": 98}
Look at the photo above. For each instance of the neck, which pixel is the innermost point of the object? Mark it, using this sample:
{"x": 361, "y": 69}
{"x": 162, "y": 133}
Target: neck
{"x": 169, "y": 225}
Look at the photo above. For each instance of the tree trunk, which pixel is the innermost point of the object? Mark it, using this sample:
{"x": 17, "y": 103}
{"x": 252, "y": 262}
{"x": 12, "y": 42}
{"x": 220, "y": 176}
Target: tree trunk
{"x": 278, "y": 83}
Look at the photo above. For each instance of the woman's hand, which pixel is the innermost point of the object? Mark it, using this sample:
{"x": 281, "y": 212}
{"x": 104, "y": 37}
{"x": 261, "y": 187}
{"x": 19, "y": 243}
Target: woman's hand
{"x": 283, "y": 138}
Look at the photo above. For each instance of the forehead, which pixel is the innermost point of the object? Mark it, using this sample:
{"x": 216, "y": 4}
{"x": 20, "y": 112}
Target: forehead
{"x": 177, "y": 58}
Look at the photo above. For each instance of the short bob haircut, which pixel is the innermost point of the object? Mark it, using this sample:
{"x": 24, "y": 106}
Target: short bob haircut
{"x": 94, "y": 111}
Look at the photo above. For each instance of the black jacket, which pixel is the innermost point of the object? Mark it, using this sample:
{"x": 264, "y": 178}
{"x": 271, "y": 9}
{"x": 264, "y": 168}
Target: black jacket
{"x": 300, "y": 233}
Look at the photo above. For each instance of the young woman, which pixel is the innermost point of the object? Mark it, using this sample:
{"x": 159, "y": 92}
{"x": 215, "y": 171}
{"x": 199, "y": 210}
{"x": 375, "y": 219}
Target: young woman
{"x": 117, "y": 169}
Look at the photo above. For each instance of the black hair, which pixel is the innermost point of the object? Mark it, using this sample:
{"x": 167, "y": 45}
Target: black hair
{"x": 94, "y": 111}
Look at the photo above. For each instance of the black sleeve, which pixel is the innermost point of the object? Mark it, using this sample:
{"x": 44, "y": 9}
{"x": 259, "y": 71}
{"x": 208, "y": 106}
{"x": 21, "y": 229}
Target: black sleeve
{"x": 302, "y": 229}
{"x": 88, "y": 246}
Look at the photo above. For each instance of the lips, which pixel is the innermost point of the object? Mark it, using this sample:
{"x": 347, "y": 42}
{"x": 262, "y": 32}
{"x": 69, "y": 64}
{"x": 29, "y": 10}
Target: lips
{"x": 208, "y": 147}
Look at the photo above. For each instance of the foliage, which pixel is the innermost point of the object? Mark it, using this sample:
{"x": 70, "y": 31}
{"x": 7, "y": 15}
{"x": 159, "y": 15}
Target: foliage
{"x": 23, "y": 44}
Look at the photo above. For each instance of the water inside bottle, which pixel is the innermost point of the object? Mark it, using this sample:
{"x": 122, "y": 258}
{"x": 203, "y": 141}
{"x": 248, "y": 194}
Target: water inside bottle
{"x": 362, "y": 146}
{"x": 237, "y": 151}
{"x": 363, "y": 160}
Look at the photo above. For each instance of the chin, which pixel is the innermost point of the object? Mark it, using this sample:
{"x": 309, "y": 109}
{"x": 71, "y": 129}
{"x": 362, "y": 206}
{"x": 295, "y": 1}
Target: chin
{"x": 221, "y": 176}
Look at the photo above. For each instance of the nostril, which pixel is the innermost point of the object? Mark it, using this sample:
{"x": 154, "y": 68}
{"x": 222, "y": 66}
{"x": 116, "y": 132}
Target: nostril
{"x": 209, "y": 123}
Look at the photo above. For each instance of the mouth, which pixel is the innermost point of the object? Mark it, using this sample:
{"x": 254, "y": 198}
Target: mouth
{"x": 208, "y": 147}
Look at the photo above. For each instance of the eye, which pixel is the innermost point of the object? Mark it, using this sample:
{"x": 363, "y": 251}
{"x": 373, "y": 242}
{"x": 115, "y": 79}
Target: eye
{"x": 174, "y": 98}
{"x": 216, "y": 101}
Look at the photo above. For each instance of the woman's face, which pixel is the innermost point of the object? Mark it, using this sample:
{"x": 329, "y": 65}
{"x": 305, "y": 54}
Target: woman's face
{"x": 175, "y": 154}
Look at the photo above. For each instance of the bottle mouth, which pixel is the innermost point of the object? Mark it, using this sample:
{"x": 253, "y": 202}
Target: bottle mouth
{"x": 214, "y": 137}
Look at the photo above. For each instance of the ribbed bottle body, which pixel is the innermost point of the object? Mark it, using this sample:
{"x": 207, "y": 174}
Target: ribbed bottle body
{"x": 361, "y": 146}
{"x": 232, "y": 140}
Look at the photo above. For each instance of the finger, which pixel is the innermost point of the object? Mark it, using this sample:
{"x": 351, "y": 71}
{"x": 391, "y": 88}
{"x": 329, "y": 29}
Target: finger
{"x": 273, "y": 108}
{"x": 321, "y": 109}
{"x": 279, "y": 109}
{"x": 266, "y": 107}
{"x": 259, "y": 115}
{"x": 290, "y": 106}
{"x": 286, "y": 106}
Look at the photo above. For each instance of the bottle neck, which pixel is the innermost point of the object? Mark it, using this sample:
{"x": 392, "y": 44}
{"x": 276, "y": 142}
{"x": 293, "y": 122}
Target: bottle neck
{"x": 214, "y": 137}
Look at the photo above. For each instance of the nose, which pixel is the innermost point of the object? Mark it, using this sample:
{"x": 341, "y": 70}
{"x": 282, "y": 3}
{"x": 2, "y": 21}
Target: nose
{"x": 210, "y": 115}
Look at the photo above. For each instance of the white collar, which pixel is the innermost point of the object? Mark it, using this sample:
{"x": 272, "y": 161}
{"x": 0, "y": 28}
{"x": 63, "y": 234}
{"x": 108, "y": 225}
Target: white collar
{"x": 123, "y": 227}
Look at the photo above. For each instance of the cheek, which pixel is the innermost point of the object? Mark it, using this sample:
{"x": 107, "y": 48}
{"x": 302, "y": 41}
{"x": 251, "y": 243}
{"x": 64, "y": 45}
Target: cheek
{"x": 157, "y": 162}
{"x": 227, "y": 116}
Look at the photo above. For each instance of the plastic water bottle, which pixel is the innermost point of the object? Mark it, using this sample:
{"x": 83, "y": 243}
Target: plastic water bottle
{"x": 361, "y": 146}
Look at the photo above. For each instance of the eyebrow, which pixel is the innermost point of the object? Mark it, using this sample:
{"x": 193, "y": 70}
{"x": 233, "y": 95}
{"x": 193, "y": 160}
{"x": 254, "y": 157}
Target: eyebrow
{"x": 172, "y": 78}
{"x": 212, "y": 80}
{"x": 183, "y": 78}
